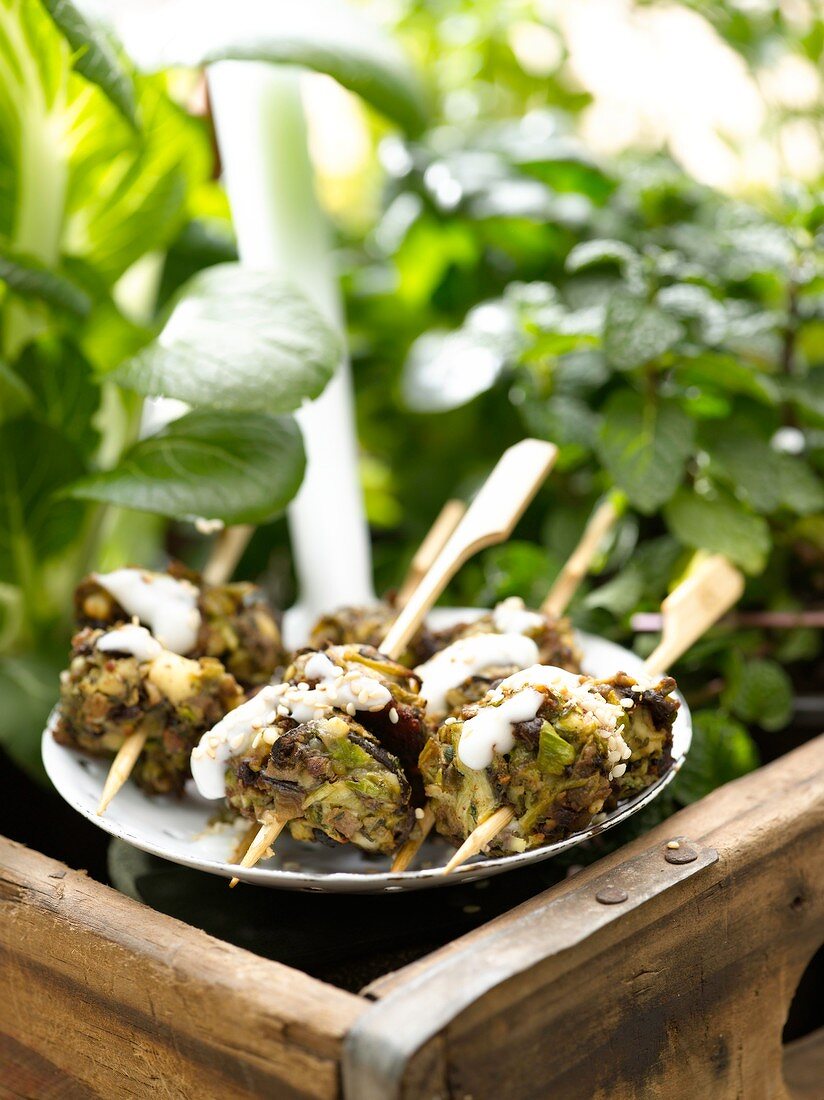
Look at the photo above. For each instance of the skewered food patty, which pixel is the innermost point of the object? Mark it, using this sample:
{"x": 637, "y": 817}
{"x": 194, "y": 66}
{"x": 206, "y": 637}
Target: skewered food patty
{"x": 651, "y": 711}
{"x": 543, "y": 742}
{"x": 554, "y": 638}
{"x": 121, "y": 681}
{"x": 232, "y": 622}
{"x": 308, "y": 738}
{"x": 368, "y": 626}
{"x": 332, "y": 778}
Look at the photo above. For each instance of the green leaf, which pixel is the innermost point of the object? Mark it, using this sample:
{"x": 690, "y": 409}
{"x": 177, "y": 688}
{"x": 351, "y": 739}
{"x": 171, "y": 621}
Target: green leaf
{"x": 722, "y": 750}
{"x": 237, "y": 339}
{"x": 636, "y": 332}
{"x": 235, "y": 467}
{"x": 36, "y": 462}
{"x": 15, "y": 395}
{"x": 64, "y": 391}
{"x": 29, "y": 278}
{"x": 598, "y": 253}
{"x": 29, "y": 686}
{"x": 94, "y": 57}
{"x": 327, "y": 36}
{"x": 644, "y": 448}
{"x": 759, "y": 692}
{"x": 720, "y": 524}
{"x": 724, "y": 373}
{"x": 762, "y": 476}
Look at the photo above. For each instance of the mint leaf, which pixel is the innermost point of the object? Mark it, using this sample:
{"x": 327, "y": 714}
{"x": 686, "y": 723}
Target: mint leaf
{"x": 236, "y": 467}
{"x": 722, "y": 525}
{"x": 762, "y": 476}
{"x": 760, "y": 692}
{"x": 94, "y": 56}
{"x": 721, "y": 750}
{"x": 237, "y": 339}
{"x": 645, "y": 447}
{"x": 636, "y": 332}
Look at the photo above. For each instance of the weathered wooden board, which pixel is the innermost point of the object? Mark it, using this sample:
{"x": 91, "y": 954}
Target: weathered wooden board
{"x": 682, "y": 996}
{"x": 101, "y": 996}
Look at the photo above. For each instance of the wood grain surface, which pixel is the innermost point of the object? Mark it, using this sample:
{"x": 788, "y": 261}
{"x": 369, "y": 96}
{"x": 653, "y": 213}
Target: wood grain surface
{"x": 683, "y": 996}
{"x": 101, "y": 996}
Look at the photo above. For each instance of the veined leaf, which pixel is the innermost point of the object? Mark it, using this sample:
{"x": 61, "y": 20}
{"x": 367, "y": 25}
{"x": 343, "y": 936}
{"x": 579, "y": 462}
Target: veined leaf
{"x": 94, "y": 56}
{"x": 636, "y": 332}
{"x": 28, "y": 277}
{"x": 722, "y": 525}
{"x": 722, "y": 750}
{"x": 63, "y": 390}
{"x": 237, "y": 339}
{"x": 645, "y": 447}
{"x": 759, "y": 691}
{"x": 235, "y": 467}
{"x": 327, "y": 36}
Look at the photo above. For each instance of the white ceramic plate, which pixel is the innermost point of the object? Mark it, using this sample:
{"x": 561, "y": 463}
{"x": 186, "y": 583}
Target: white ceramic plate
{"x": 179, "y": 830}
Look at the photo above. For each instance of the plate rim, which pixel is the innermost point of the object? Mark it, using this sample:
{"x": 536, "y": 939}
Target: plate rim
{"x": 378, "y": 881}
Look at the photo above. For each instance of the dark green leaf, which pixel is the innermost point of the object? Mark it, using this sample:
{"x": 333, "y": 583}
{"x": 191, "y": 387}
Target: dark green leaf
{"x": 94, "y": 56}
{"x": 29, "y": 686}
{"x": 15, "y": 395}
{"x": 636, "y": 332}
{"x": 644, "y": 447}
{"x": 765, "y": 478}
{"x": 236, "y": 467}
{"x": 727, "y": 374}
{"x": 722, "y": 750}
{"x": 720, "y": 524}
{"x": 36, "y": 462}
{"x": 759, "y": 692}
{"x": 28, "y": 277}
{"x": 237, "y": 339}
{"x": 65, "y": 393}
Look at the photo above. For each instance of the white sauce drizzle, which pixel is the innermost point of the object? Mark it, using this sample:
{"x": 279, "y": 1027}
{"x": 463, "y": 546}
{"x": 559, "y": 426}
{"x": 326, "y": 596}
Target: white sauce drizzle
{"x": 517, "y": 700}
{"x": 167, "y": 605}
{"x": 469, "y": 657}
{"x": 235, "y": 734}
{"x": 132, "y": 639}
{"x": 513, "y": 617}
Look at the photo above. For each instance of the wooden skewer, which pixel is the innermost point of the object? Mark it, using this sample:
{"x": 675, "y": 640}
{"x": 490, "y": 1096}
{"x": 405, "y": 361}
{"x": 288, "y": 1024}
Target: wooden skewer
{"x": 480, "y": 836}
{"x": 691, "y": 608}
{"x": 491, "y": 518}
{"x": 566, "y": 583}
{"x": 226, "y": 553}
{"x": 225, "y": 556}
{"x": 265, "y": 838}
{"x": 245, "y": 843}
{"x": 122, "y": 766}
{"x": 436, "y": 538}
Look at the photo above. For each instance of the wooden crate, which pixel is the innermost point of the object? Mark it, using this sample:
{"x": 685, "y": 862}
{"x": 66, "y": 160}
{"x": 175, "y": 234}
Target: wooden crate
{"x": 680, "y": 989}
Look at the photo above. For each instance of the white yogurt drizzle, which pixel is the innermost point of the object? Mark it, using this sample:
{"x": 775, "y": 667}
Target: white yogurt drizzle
{"x": 236, "y": 734}
{"x": 470, "y": 657}
{"x": 131, "y": 639}
{"x": 516, "y": 699}
{"x": 513, "y": 617}
{"x": 167, "y": 605}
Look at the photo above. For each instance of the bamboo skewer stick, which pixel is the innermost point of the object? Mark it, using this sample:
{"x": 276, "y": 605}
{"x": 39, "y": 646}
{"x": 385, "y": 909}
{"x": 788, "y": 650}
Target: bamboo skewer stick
{"x": 688, "y": 612}
{"x": 434, "y": 541}
{"x": 568, "y": 580}
{"x": 556, "y": 602}
{"x": 227, "y": 551}
{"x": 490, "y": 518}
{"x": 122, "y": 765}
{"x": 265, "y": 838}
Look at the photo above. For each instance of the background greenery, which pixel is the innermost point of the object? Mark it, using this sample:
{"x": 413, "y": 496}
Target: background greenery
{"x": 500, "y": 280}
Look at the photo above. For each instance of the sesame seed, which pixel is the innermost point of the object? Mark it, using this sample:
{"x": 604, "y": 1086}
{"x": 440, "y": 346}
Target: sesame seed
{"x": 673, "y": 844}
{"x": 619, "y": 770}
{"x": 351, "y": 709}
{"x": 393, "y": 716}
{"x": 419, "y": 813}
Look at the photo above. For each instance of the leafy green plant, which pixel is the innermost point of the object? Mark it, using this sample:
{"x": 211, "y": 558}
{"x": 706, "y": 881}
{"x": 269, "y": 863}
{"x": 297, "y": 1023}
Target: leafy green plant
{"x": 101, "y": 173}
